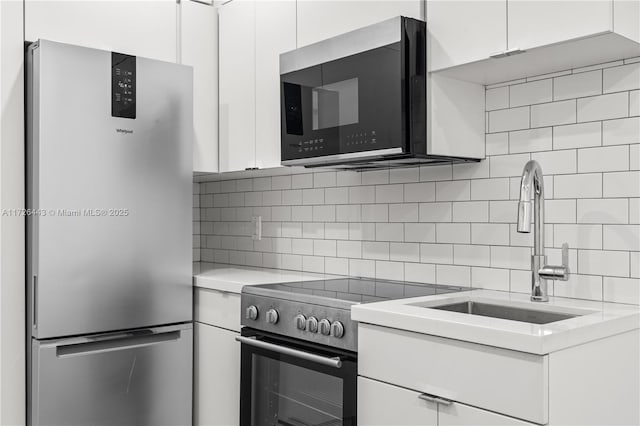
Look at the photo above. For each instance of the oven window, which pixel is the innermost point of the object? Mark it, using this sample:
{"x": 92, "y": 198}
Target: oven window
{"x": 335, "y": 104}
{"x": 291, "y": 395}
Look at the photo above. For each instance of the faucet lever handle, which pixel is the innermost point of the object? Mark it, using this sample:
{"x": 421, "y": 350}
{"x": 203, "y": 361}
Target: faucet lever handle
{"x": 565, "y": 256}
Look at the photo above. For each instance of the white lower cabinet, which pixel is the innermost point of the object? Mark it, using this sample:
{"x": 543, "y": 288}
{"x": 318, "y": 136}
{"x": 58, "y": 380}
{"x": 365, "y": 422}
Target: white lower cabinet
{"x": 216, "y": 358}
{"x": 382, "y": 404}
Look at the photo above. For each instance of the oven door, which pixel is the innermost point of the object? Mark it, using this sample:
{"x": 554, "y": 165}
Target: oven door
{"x": 290, "y": 383}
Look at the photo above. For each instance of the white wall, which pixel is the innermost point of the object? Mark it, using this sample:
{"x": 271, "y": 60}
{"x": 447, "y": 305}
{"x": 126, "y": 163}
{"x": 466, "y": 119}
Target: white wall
{"x": 457, "y": 224}
{"x": 12, "y": 304}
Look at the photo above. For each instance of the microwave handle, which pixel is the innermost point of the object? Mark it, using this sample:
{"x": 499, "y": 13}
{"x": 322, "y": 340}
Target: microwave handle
{"x": 334, "y": 362}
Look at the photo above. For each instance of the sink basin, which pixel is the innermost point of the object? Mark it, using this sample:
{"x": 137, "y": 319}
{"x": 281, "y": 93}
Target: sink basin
{"x": 505, "y": 312}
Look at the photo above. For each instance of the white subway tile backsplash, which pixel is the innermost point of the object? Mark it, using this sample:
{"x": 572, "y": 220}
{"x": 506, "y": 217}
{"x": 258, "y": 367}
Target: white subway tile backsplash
{"x": 534, "y": 92}
{"x": 621, "y": 184}
{"x": 578, "y": 236}
{"x": 403, "y": 212}
{"x": 435, "y": 212}
{"x": 389, "y": 194}
{"x": 420, "y": 232}
{"x": 362, "y": 194}
{"x": 509, "y": 119}
{"x": 404, "y": 252}
{"x": 471, "y": 255}
{"x": 490, "y": 233}
{"x": 497, "y": 143}
{"x": 389, "y": 270}
{"x": 634, "y": 103}
{"x": 375, "y": 212}
{"x": 456, "y": 224}
{"x": 553, "y": 113}
{"x": 490, "y": 278}
{"x": 577, "y": 85}
{"x": 626, "y": 77}
{"x": 604, "y": 159}
{"x": 458, "y": 190}
{"x": 578, "y": 186}
{"x": 389, "y": 231}
{"x": 621, "y": 237}
{"x": 621, "y": 290}
{"x": 556, "y": 162}
{"x": 324, "y": 179}
{"x": 424, "y": 191}
{"x": 436, "y": 253}
{"x": 603, "y": 210}
{"x": 471, "y": 211}
{"x": 420, "y": 272}
{"x": 435, "y": 173}
{"x": 453, "y": 275}
{"x": 453, "y": 233}
{"x": 530, "y": 140}
{"x": 603, "y": 107}
{"x": 497, "y": 98}
{"x": 577, "y": 135}
{"x": 490, "y": 189}
{"x": 622, "y": 131}
{"x": 508, "y": 165}
{"x": 599, "y": 262}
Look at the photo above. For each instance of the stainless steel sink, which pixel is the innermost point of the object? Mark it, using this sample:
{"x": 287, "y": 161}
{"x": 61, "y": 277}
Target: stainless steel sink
{"x": 532, "y": 316}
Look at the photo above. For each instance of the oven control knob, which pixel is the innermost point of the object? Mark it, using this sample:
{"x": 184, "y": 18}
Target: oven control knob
{"x": 301, "y": 322}
{"x": 272, "y": 316}
{"x": 337, "y": 329}
{"x": 252, "y": 313}
{"x": 325, "y": 327}
{"x": 312, "y": 324}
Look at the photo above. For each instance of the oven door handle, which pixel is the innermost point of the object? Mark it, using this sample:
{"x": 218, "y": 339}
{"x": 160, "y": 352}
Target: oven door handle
{"x": 334, "y": 362}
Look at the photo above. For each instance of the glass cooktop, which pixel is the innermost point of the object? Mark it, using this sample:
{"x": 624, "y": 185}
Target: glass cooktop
{"x": 348, "y": 291}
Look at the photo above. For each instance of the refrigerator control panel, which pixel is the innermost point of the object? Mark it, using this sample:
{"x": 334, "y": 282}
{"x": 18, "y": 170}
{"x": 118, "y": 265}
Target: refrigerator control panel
{"x": 123, "y": 85}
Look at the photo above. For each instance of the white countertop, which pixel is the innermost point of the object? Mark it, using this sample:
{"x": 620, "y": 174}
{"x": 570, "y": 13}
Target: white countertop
{"x": 597, "y": 320}
{"x": 231, "y": 278}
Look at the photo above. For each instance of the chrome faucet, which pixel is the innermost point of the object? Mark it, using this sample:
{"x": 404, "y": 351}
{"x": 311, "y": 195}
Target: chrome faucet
{"x": 532, "y": 179}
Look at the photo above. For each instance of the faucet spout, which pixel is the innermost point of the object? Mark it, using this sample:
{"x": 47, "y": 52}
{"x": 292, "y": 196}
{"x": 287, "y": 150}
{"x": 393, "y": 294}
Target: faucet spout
{"x": 531, "y": 184}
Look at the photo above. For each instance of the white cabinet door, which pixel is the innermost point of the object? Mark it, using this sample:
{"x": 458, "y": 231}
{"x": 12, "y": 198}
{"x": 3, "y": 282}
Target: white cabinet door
{"x": 275, "y": 34}
{"x": 237, "y": 95}
{"x": 381, "y": 404}
{"x": 463, "y": 415}
{"x": 140, "y": 28}
{"x": 199, "y": 48}
{"x": 216, "y": 377}
{"x": 321, "y": 19}
{"x": 536, "y": 23}
{"x": 465, "y": 31}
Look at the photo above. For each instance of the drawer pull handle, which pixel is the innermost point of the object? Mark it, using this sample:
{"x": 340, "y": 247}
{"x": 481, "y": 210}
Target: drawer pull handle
{"x": 433, "y": 398}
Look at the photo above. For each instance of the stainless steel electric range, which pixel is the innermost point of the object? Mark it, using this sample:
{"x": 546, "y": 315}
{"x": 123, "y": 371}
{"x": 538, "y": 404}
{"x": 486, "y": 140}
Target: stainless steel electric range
{"x": 299, "y": 348}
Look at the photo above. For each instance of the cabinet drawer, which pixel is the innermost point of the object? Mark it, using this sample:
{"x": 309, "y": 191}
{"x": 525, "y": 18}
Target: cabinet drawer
{"x": 217, "y": 308}
{"x": 509, "y": 382}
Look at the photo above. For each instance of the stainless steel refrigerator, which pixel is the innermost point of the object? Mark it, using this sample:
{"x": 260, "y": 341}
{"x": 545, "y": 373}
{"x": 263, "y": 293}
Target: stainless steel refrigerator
{"x": 109, "y": 196}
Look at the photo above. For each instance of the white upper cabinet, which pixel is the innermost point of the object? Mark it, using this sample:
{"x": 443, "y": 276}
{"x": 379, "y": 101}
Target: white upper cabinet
{"x": 237, "y": 113}
{"x": 140, "y": 28}
{"x": 275, "y": 34}
{"x": 199, "y": 49}
{"x": 322, "y": 19}
{"x": 465, "y": 31}
{"x": 535, "y": 23}
{"x": 252, "y": 36}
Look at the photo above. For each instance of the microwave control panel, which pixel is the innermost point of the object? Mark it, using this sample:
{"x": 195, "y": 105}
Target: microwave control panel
{"x": 123, "y": 85}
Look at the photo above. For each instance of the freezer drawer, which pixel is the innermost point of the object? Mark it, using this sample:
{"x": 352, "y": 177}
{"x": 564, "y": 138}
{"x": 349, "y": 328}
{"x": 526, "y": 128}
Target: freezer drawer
{"x": 137, "y": 378}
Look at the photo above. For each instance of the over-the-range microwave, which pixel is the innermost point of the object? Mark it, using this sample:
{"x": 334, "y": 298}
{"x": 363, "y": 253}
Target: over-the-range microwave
{"x": 359, "y": 100}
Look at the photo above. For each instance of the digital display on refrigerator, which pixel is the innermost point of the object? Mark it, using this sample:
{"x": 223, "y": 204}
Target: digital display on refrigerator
{"x": 123, "y": 85}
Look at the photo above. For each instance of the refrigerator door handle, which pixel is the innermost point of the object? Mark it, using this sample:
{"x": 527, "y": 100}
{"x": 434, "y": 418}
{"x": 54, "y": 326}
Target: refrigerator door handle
{"x": 116, "y": 342}
{"x": 34, "y": 307}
